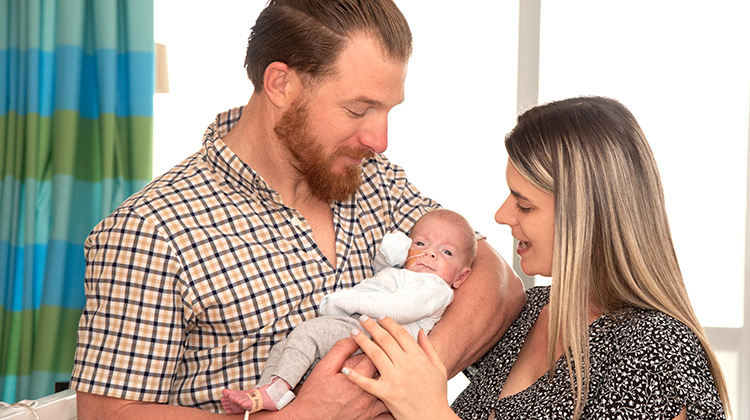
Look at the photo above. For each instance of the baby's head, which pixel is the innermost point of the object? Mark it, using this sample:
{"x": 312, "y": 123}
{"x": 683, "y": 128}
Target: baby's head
{"x": 442, "y": 243}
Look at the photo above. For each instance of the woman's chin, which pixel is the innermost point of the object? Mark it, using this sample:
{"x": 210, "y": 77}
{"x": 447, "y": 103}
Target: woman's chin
{"x": 531, "y": 271}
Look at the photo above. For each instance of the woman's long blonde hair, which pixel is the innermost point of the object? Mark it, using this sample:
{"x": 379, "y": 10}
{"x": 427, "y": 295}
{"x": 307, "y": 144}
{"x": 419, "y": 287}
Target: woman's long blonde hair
{"x": 612, "y": 242}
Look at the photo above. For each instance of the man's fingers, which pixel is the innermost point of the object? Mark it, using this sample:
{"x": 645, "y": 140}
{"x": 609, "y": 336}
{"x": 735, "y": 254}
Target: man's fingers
{"x": 366, "y": 383}
{"x": 338, "y": 354}
{"x": 366, "y": 367}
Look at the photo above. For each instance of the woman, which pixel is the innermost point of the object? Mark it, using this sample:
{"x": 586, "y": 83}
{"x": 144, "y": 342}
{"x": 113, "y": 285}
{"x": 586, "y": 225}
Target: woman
{"x": 587, "y": 207}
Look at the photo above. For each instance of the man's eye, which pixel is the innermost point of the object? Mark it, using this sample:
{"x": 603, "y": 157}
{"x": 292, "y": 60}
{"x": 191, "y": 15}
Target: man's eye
{"x": 355, "y": 114}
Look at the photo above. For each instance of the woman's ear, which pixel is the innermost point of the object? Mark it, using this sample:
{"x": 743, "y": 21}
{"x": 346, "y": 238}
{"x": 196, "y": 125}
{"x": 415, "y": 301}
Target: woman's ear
{"x": 281, "y": 84}
{"x": 462, "y": 278}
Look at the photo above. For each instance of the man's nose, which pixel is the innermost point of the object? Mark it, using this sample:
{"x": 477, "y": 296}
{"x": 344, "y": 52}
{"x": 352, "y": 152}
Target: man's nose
{"x": 375, "y": 134}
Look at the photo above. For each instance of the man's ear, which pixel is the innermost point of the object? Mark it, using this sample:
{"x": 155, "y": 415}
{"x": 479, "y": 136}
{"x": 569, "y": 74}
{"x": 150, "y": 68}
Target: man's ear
{"x": 462, "y": 278}
{"x": 281, "y": 84}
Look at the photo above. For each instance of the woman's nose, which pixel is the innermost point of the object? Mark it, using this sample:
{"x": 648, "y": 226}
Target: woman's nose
{"x": 503, "y": 216}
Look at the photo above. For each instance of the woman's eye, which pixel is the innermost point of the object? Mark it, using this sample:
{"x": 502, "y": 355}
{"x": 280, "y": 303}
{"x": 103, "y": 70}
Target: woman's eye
{"x": 523, "y": 209}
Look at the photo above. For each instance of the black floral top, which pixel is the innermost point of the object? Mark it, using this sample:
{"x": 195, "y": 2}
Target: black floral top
{"x": 644, "y": 365}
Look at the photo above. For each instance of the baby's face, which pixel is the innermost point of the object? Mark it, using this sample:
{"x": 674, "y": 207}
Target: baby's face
{"x": 435, "y": 249}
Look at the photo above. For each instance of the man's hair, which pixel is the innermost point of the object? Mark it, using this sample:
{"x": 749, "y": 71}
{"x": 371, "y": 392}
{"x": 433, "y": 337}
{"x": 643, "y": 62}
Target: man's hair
{"x": 309, "y": 35}
{"x": 612, "y": 241}
{"x": 468, "y": 239}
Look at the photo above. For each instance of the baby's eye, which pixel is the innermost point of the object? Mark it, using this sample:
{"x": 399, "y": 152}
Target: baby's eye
{"x": 447, "y": 252}
{"x": 419, "y": 243}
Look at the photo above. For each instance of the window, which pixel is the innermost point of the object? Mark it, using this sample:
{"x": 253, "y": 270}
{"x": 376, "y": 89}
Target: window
{"x": 682, "y": 68}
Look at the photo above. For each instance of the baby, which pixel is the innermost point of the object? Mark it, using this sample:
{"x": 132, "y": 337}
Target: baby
{"x": 436, "y": 257}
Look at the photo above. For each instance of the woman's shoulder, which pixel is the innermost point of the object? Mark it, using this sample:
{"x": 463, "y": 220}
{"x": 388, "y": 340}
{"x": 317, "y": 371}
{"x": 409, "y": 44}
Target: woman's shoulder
{"x": 647, "y": 329}
{"x": 639, "y": 353}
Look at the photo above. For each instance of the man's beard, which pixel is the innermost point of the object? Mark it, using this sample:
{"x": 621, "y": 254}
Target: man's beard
{"x": 294, "y": 132}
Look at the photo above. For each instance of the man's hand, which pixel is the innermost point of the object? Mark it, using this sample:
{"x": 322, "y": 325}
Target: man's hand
{"x": 327, "y": 394}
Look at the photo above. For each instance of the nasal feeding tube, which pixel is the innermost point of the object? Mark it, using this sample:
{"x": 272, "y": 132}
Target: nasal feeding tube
{"x": 421, "y": 254}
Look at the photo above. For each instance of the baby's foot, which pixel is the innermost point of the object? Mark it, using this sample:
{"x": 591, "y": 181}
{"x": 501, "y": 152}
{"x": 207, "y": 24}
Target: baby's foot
{"x": 235, "y": 402}
{"x": 271, "y": 397}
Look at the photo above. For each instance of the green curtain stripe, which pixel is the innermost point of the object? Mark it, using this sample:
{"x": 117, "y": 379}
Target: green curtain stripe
{"x": 111, "y": 147}
{"x": 55, "y": 339}
{"x": 38, "y": 340}
{"x": 20, "y": 157}
{"x": 14, "y": 344}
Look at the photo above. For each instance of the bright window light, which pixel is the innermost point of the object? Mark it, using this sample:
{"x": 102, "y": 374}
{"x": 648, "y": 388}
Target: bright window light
{"x": 683, "y": 70}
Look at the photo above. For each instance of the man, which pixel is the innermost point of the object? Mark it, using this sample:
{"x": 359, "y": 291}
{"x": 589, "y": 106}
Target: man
{"x": 192, "y": 280}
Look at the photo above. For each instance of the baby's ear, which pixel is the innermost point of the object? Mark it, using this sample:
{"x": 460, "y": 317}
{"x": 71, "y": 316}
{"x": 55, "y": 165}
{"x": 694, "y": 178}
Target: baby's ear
{"x": 462, "y": 278}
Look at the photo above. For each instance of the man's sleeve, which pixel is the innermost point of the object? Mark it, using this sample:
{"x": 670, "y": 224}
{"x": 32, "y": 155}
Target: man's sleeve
{"x": 130, "y": 336}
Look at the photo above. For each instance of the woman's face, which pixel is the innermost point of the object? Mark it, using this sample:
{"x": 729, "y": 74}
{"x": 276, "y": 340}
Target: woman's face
{"x": 530, "y": 213}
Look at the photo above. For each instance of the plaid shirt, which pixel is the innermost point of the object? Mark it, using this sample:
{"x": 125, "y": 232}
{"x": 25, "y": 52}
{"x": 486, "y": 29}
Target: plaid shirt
{"x": 192, "y": 280}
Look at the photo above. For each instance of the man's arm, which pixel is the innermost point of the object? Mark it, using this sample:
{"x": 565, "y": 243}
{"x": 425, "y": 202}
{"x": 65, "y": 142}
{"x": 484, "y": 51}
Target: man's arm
{"x": 483, "y": 308}
{"x": 91, "y": 406}
{"x": 326, "y": 394}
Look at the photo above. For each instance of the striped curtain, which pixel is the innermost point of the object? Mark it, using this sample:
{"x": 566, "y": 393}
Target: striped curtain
{"x": 76, "y": 132}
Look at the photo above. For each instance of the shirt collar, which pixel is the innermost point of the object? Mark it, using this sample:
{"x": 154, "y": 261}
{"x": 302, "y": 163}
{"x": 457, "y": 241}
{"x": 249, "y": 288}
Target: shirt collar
{"x": 227, "y": 164}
